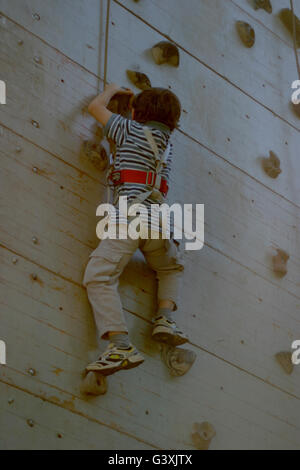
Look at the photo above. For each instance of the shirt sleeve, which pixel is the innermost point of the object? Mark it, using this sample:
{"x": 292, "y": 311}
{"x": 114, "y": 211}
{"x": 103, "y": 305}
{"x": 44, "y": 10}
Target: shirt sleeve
{"x": 117, "y": 129}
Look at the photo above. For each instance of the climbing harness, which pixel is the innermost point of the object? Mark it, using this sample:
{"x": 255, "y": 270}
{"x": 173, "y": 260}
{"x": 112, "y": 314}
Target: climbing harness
{"x": 159, "y": 185}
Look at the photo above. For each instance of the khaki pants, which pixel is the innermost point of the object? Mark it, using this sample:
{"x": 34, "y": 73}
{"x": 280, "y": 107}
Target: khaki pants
{"x": 105, "y": 266}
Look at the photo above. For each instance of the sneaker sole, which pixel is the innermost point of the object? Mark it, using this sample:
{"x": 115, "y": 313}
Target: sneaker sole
{"x": 169, "y": 338}
{"x": 126, "y": 364}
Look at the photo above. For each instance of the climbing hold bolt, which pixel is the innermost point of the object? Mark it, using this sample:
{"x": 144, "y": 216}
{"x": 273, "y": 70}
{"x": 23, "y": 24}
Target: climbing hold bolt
{"x": 18, "y": 149}
{"x": 34, "y": 169}
{"x": 165, "y": 53}
{"x": 37, "y": 59}
{"x": 31, "y": 371}
{"x": 271, "y": 165}
{"x": 30, "y": 422}
{"x": 20, "y": 42}
{"x": 280, "y": 262}
{"x": 287, "y": 19}
{"x": 34, "y": 277}
{"x": 10, "y": 401}
{"x": 14, "y": 260}
{"x": 246, "y": 33}
{"x": 35, "y": 124}
{"x": 140, "y": 80}
{"x": 284, "y": 359}
{"x": 264, "y": 4}
{"x": 203, "y": 435}
{"x": 35, "y": 240}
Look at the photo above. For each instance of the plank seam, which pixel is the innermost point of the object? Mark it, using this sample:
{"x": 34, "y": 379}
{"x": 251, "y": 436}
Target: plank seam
{"x": 241, "y": 369}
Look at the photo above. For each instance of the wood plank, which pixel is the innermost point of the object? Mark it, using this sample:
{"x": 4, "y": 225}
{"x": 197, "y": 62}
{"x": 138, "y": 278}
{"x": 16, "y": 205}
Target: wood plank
{"x": 245, "y": 411}
{"x": 62, "y": 134}
{"x": 211, "y": 38}
{"x": 54, "y": 428}
{"x": 58, "y": 20}
{"x": 270, "y": 21}
{"x": 243, "y": 220}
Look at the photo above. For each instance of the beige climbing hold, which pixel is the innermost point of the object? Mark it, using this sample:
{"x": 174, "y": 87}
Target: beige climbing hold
{"x": 280, "y": 262}
{"x": 140, "y": 80}
{"x": 178, "y": 360}
{"x": 286, "y": 17}
{"x": 284, "y": 359}
{"x": 264, "y": 4}
{"x": 165, "y": 53}
{"x": 120, "y": 104}
{"x": 271, "y": 165}
{"x": 93, "y": 383}
{"x": 203, "y": 435}
{"x": 246, "y": 33}
{"x": 95, "y": 153}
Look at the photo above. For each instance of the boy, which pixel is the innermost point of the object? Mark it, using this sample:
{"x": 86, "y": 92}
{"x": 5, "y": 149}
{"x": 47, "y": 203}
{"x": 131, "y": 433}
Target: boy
{"x": 156, "y": 112}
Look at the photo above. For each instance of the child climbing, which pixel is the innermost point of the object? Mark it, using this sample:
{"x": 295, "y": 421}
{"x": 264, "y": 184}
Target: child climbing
{"x": 141, "y": 172}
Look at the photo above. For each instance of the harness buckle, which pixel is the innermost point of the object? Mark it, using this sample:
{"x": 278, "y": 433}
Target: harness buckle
{"x": 115, "y": 176}
{"x": 150, "y": 178}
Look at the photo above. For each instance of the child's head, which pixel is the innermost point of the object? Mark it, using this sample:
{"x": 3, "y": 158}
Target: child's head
{"x": 157, "y": 104}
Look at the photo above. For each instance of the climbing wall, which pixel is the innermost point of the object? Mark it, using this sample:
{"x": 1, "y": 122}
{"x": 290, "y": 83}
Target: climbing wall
{"x": 238, "y": 313}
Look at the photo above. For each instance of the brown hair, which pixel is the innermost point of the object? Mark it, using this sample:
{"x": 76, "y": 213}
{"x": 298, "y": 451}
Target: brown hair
{"x": 157, "y": 104}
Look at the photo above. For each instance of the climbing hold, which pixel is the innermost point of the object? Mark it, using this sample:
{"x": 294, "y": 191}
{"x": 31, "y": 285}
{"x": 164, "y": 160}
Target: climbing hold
{"x": 30, "y": 422}
{"x": 286, "y": 17}
{"x": 264, "y": 4}
{"x": 203, "y": 435}
{"x": 93, "y": 384}
{"x": 140, "y": 80}
{"x": 178, "y": 360}
{"x": 120, "y": 103}
{"x": 271, "y": 165}
{"x": 296, "y": 109}
{"x": 36, "y": 16}
{"x": 35, "y": 240}
{"x": 246, "y": 33}
{"x": 280, "y": 262}
{"x": 10, "y": 401}
{"x": 284, "y": 359}
{"x": 15, "y": 260}
{"x": 165, "y": 53}
{"x": 34, "y": 169}
{"x": 95, "y": 153}
{"x": 34, "y": 277}
{"x": 32, "y": 372}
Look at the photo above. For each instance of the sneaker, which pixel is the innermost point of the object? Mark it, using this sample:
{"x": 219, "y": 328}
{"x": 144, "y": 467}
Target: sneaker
{"x": 166, "y": 331}
{"x": 114, "y": 359}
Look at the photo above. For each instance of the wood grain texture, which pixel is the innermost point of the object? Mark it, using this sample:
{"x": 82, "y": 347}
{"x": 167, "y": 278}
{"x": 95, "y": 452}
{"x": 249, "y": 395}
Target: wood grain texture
{"x": 236, "y": 312}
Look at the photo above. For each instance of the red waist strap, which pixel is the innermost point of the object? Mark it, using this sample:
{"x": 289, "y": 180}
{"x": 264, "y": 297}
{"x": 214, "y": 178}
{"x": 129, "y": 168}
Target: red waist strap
{"x": 138, "y": 176}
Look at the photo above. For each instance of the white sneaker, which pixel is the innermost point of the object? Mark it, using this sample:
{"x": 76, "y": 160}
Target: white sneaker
{"x": 166, "y": 331}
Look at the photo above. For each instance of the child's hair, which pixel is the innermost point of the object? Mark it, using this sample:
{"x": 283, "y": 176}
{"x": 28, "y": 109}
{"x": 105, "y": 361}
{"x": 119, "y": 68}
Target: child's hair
{"x": 157, "y": 104}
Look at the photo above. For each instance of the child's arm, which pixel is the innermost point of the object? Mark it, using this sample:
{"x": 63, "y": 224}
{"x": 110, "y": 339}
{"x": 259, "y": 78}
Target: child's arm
{"x": 98, "y": 107}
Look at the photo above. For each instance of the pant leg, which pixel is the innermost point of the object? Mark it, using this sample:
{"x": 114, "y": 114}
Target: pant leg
{"x": 101, "y": 279}
{"x": 165, "y": 257}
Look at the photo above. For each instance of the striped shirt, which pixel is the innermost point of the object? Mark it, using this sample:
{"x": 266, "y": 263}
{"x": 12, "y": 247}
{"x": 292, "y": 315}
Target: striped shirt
{"x": 133, "y": 152}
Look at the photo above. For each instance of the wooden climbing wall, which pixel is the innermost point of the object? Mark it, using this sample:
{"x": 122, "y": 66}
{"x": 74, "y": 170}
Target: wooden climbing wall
{"x": 238, "y": 314}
